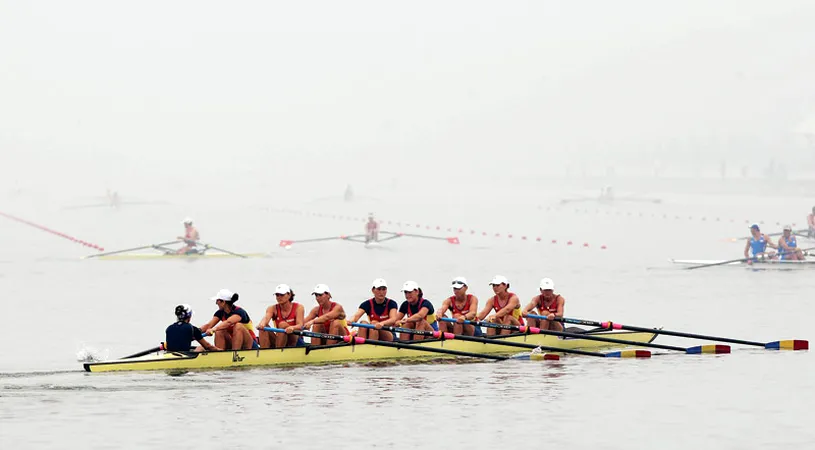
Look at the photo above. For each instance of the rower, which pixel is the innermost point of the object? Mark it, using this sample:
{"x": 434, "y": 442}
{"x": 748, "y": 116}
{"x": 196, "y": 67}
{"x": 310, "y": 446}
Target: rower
{"x": 230, "y": 324}
{"x": 349, "y": 194}
{"x": 182, "y": 333}
{"x": 547, "y": 304}
{"x": 326, "y": 317}
{"x": 757, "y": 243}
{"x": 788, "y": 246}
{"x": 416, "y": 313}
{"x": 286, "y": 314}
{"x": 811, "y": 223}
{"x": 371, "y": 229}
{"x": 462, "y": 306}
{"x": 190, "y": 238}
{"x": 381, "y": 312}
{"x": 505, "y": 304}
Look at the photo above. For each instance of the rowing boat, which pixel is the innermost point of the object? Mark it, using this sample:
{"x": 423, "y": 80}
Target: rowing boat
{"x": 761, "y": 263}
{"x": 191, "y": 256}
{"x": 347, "y": 353}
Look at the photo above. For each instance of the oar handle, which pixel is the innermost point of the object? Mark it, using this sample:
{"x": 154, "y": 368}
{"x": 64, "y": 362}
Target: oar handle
{"x": 435, "y": 334}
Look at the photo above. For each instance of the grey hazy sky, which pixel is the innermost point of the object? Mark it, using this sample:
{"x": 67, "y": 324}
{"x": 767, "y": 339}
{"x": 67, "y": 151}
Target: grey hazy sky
{"x": 300, "y": 86}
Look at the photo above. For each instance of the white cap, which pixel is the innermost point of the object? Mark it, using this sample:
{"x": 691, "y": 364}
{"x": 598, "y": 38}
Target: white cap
{"x": 410, "y": 286}
{"x": 282, "y": 289}
{"x": 787, "y": 227}
{"x": 187, "y": 220}
{"x": 499, "y": 279}
{"x": 547, "y": 283}
{"x": 379, "y": 282}
{"x": 224, "y": 294}
{"x": 459, "y": 282}
{"x": 321, "y": 289}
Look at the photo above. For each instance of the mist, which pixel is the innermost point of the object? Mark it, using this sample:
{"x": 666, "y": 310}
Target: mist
{"x": 278, "y": 99}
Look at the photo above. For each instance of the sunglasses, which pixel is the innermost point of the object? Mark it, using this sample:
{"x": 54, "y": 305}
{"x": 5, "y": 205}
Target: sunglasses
{"x": 279, "y": 295}
{"x": 381, "y": 288}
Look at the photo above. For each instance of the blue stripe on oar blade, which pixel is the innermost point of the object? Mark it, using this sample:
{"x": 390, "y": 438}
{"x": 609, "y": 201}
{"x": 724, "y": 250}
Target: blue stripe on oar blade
{"x": 629, "y": 354}
{"x": 790, "y": 344}
{"x": 709, "y": 349}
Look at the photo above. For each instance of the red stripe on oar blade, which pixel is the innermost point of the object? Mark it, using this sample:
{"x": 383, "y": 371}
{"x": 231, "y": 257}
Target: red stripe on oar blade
{"x": 286, "y": 243}
{"x": 453, "y": 240}
{"x": 544, "y": 357}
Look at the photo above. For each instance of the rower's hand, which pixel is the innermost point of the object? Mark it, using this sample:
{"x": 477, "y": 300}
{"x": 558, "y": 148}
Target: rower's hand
{"x": 308, "y": 324}
{"x": 460, "y": 320}
{"x": 524, "y": 314}
{"x": 289, "y": 330}
{"x": 378, "y": 326}
{"x": 550, "y": 317}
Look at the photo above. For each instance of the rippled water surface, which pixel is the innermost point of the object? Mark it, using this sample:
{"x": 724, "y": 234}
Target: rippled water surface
{"x": 58, "y": 305}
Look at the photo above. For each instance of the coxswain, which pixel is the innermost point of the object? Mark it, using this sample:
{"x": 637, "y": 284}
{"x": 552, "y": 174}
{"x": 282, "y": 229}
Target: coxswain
{"x": 326, "y": 317}
{"x": 286, "y": 314}
{"x": 462, "y": 306}
{"x": 548, "y": 304}
{"x": 371, "y": 229}
{"x": 788, "y": 246}
{"x": 190, "y": 238}
{"x": 230, "y": 324}
{"x": 180, "y": 335}
{"x": 757, "y": 243}
{"x": 811, "y": 223}
{"x": 505, "y": 305}
{"x": 416, "y": 313}
{"x": 381, "y": 312}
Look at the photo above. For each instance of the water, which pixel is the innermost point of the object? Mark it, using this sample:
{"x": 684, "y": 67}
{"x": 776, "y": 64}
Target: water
{"x": 59, "y": 305}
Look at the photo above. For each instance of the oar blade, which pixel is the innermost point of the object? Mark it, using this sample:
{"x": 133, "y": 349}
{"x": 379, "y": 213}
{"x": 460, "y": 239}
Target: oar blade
{"x": 714, "y": 349}
{"x": 453, "y": 240}
{"x": 629, "y": 354}
{"x": 286, "y": 243}
{"x": 790, "y": 344}
{"x": 535, "y": 356}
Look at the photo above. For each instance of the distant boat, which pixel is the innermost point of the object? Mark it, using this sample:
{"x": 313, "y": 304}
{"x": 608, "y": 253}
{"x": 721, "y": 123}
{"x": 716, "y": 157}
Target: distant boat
{"x": 607, "y": 196}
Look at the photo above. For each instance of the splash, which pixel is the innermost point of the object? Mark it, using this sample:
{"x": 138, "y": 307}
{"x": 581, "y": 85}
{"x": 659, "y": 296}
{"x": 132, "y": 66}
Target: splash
{"x": 90, "y": 354}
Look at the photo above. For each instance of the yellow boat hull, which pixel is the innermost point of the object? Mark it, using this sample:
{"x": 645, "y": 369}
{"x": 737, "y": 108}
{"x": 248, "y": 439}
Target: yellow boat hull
{"x": 345, "y": 353}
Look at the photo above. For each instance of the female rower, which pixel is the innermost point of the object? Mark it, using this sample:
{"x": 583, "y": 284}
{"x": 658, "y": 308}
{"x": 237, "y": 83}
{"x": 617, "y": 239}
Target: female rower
{"x": 381, "y": 312}
{"x": 757, "y": 243}
{"x": 230, "y": 324}
{"x": 788, "y": 246}
{"x": 462, "y": 306}
{"x": 326, "y": 317}
{"x": 416, "y": 312}
{"x": 286, "y": 314}
{"x": 182, "y": 333}
{"x": 505, "y": 304}
{"x": 548, "y": 304}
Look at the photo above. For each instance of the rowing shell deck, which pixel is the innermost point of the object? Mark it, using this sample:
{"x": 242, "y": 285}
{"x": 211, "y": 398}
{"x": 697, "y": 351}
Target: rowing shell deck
{"x": 346, "y": 353}
{"x": 762, "y": 263}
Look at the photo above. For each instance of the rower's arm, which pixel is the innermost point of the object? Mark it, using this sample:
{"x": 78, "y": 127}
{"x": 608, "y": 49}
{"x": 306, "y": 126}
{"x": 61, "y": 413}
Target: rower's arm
{"x": 267, "y": 318}
{"x": 486, "y": 311}
{"x": 530, "y": 306}
{"x": 392, "y": 318}
{"x": 770, "y": 242}
{"x": 298, "y": 316}
{"x": 471, "y": 314}
{"x": 781, "y": 244}
{"x": 747, "y": 249}
{"x": 511, "y": 305}
{"x": 209, "y": 324}
{"x": 207, "y": 346}
{"x": 312, "y": 316}
{"x": 360, "y": 312}
{"x": 445, "y": 305}
{"x": 561, "y": 305}
{"x": 334, "y": 314}
{"x": 419, "y": 316}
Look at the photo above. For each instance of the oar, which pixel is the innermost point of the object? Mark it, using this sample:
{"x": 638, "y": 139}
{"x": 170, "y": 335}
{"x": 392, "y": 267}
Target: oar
{"x": 699, "y": 349}
{"x": 753, "y": 258}
{"x": 132, "y": 249}
{"x": 145, "y": 352}
{"x": 443, "y": 336}
{"x": 620, "y": 354}
{"x": 287, "y": 243}
{"x": 792, "y": 344}
{"x": 450, "y": 240}
{"x": 359, "y": 340}
{"x": 207, "y": 246}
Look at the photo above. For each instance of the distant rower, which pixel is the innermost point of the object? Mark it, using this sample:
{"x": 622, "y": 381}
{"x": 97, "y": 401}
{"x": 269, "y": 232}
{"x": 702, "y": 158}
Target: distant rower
{"x": 757, "y": 243}
{"x": 788, "y": 246}
{"x": 190, "y": 238}
{"x": 548, "y": 304}
{"x": 811, "y": 223}
{"x": 371, "y": 229}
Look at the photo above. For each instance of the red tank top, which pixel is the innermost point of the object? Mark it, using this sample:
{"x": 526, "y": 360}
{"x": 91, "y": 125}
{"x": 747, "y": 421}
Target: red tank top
{"x": 292, "y": 319}
{"x": 327, "y": 323}
{"x": 497, "y": 307}
{"x": 466, "y": 309}
{"x": 551, "y": 309}
{"x": 379, "y": 317}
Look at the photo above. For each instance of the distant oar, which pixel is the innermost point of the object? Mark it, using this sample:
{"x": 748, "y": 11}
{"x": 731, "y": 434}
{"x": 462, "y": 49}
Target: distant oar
{"x": 443, "y": 336}
{"x": 450, "y": 240}
{"x": 359, "y": 340}
{"x": 287, "y": 243}
{"x": 752, "y": 258}
{"x": 699, "y": 349}
{"x": 523, "y": 329}
{"x": 792, "y": 344}
{"x": 207, "y": 246}
{"x": 132, "y": 249}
